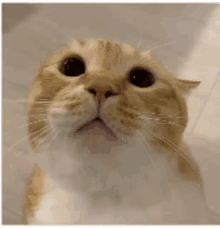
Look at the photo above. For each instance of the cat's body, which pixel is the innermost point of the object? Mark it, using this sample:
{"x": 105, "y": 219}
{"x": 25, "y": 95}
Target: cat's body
{"x": 109, "y": 138}
{"x": 124, "y": 194}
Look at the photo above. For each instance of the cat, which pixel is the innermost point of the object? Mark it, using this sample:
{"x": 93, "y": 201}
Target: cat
{"x": 106, "y": 122}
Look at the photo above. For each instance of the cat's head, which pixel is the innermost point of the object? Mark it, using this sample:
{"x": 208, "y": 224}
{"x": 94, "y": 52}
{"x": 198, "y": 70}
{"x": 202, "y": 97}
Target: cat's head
{"x": 127, "y": 91}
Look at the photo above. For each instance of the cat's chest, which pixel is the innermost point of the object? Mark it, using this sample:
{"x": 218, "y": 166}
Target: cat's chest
{"x": 134, "y": 187}
{"x": 61, "y": 206}
{"x": 126, "y": 170}
{"x": 182, "y": 204}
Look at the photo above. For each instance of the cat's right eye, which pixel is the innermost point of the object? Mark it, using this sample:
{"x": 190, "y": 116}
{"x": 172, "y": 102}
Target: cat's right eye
{"x": 141, "y": 77}
{"x": 72, "y": 66}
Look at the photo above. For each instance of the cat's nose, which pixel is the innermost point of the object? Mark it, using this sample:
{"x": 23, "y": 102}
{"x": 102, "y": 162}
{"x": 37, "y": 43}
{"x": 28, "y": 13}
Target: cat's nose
{"x": 102, "y": 89}
{"x": 107, "y": 94}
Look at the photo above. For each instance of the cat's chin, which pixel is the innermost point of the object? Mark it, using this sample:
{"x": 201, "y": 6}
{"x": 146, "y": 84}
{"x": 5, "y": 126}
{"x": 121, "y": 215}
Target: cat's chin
{"x": 96, "y": 127}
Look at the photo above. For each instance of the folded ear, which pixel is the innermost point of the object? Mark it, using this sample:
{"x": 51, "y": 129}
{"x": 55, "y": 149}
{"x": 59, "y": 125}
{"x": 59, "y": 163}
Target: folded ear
{"x": 186, "y": 86}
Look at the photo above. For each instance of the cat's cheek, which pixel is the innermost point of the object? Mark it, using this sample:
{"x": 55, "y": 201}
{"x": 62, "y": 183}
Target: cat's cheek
{"x": 63, "y": 121}
{"x": 68, "y": 120}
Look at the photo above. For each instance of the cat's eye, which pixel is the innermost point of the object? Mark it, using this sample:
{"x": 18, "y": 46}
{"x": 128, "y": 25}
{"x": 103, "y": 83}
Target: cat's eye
{"x": 141, "y": 77}
{"x": 72, "y": 66}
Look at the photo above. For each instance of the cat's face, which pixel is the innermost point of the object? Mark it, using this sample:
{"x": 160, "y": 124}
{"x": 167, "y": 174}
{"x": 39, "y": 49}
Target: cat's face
{"x": 108, "y": 85}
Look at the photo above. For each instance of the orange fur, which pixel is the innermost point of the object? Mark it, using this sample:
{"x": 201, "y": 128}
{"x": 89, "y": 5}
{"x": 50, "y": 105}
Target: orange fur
{"x": 107, "y": 66}
{"x": 33, "y": 194}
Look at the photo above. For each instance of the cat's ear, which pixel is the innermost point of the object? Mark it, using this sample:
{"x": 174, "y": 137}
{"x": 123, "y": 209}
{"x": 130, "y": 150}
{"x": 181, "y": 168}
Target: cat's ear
{"x": 187, "y": 86}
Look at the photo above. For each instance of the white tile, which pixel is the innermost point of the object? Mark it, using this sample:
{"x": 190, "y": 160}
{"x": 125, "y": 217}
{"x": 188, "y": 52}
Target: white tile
{"x": 212, "y": 37}
{"x": 208, "y": 124}
{"x": 10, "y": 218}
{"x": 202, "y": 65}
{"x": 215, "y": 93}
{"x": 195, "y": 105}
{"x": 211, "y": 33}
{"x": 207, "y": 154}
{"x": 205, "y": 74}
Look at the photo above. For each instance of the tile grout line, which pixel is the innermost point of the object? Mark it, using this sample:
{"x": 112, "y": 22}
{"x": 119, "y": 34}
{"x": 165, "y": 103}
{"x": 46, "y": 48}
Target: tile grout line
{"x": 14, "y": 213}
{"x": 206, "y": 101}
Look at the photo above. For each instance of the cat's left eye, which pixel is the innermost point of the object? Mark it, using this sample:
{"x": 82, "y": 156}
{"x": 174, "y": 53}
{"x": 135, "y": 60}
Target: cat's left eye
{"x": 72, "y": 66}
{"x": 141, "y": 77}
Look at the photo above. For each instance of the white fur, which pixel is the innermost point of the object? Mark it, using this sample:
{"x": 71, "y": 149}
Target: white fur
{"x": 99, "y": 180}
{"x": 158, "y": 201}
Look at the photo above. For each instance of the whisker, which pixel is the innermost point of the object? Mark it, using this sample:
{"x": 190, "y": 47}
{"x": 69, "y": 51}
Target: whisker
{"x": 47, "y": 128}
{"x": 169, "y": 143}
{"x": 152, "y": 160}
{"x": 142, "y": 110}
{"x": 10, "y": 120}
{"x": 65, "y": 141}
{"x": 33, "y": 101}
{"x": 42, "y": 114}
{"x": 25, "y": 125}
{"x": 41, "y": 108}
{"x": 24, "y": 118}
{"x": 164, "y": 122}
{"x": 52, "y": 140}
{"x": 13, "y": 101}
{"x": 47, "y": 135}
{"x": 172, "y": 145}
{"x": 139, "y": 41}
{"x": 163, "y": 115}
{"x": 27, "y": 137}
{"x": 156, "y": 43}
{"x": 159, "y": 47}
{"x": 147, "y": 144}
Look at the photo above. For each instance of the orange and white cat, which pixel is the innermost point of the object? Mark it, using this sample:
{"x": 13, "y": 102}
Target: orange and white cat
{"x": 106, "y": 122}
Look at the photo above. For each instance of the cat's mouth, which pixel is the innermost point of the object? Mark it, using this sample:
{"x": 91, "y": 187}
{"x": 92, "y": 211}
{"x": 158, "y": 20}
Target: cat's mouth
{"x": 95, "y": 123}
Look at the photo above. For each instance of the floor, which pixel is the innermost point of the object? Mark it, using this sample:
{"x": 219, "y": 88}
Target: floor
{"x": 31, "y": 32}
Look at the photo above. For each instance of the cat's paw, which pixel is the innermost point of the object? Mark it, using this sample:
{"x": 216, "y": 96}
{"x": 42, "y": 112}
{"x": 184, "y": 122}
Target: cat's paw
{"x": 57, "y": 207}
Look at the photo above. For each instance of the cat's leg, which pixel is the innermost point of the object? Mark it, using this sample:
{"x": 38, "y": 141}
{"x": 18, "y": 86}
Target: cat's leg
{"x": 57, "y": 207}
{"x": 46, "y": 202}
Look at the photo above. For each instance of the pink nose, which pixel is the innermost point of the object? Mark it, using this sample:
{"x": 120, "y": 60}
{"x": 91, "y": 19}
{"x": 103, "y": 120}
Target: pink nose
{"x": 107, "y": 94}
{"x": 102, "y": 88}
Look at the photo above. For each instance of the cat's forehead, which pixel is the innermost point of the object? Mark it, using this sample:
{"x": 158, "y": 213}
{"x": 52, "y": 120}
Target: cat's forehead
{"x": 102, "y": 46}
{"x": 108, "y": 54}
{"x": 101, "y": 54}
